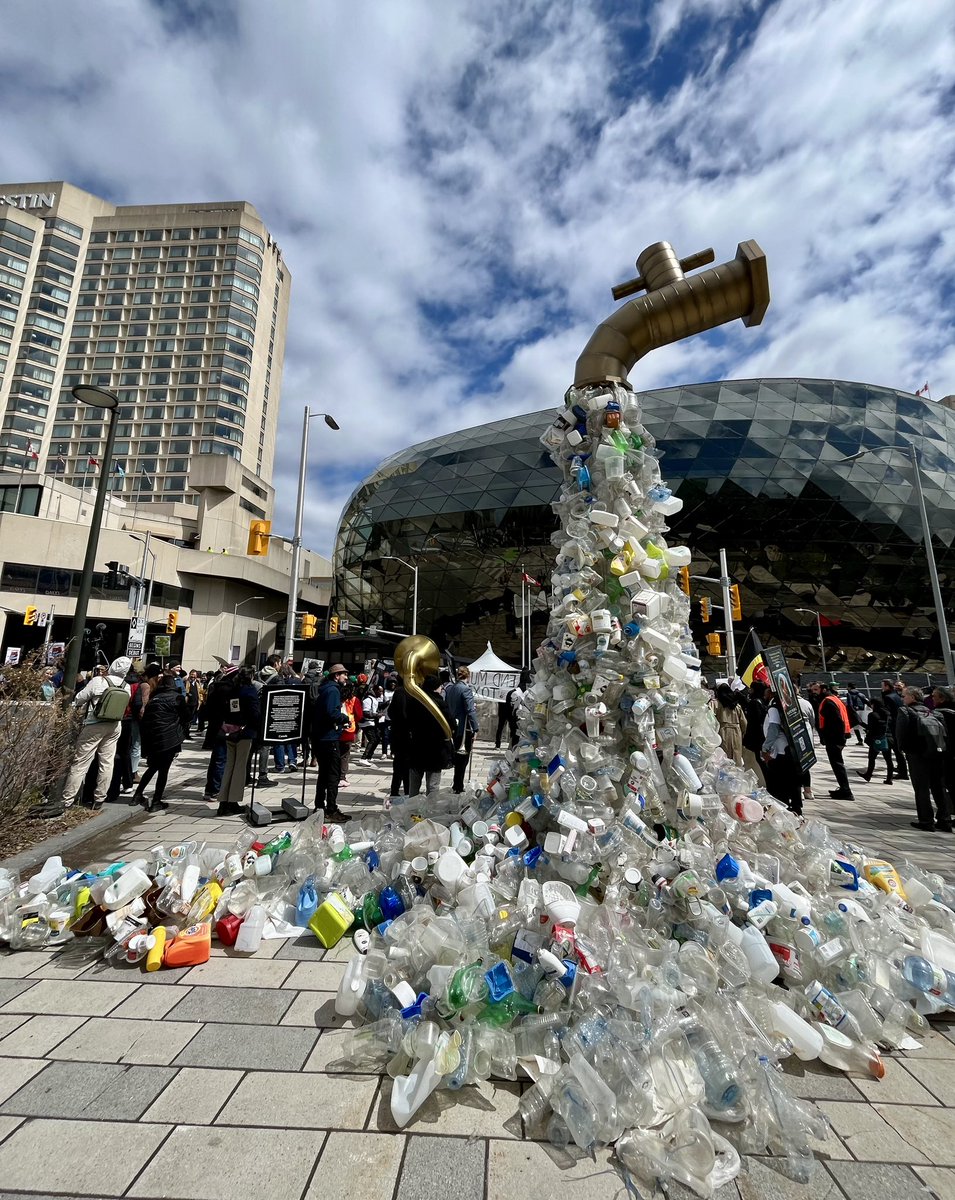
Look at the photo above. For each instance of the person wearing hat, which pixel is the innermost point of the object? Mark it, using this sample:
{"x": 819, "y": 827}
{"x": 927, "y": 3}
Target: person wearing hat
{"x": 327, "y": 722}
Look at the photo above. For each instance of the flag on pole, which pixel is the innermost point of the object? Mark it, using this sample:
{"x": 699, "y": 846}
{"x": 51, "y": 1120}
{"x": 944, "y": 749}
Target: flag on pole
{"x": 119, "y": 471}
{"x": 755, "y": 671}
{"x": 530, "y": 579}
{"x": 60, "y": 465}
{"x": 142, "y": 471}
{"x": 31, "y": 453}
{"x": 924, "y": 391}
{"x": 92, "y": 462}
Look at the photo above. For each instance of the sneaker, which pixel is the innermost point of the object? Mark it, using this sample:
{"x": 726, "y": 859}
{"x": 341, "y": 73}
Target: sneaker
{"x": 292, "y": 767}
{"x": 343, "y": 783}
{"x": 261, "y": 783}
{"x": 125, "y": 791}
{"x": 839, "y": 795}
{"x": 921, "y": 825}
{"x": 336, "y": 816}
{"x": 207, "y": 799}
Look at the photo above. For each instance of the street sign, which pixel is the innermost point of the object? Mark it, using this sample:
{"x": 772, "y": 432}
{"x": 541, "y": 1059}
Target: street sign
{"x": 42, "y": 617}
{"x": 162, "y": 645}
{"x": 137, "y": 637}
{"x": 283, "y": 715}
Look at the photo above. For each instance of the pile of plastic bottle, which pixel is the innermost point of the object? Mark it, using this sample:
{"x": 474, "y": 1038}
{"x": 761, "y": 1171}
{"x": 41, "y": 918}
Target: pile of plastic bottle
{"x": 619, "y": 914}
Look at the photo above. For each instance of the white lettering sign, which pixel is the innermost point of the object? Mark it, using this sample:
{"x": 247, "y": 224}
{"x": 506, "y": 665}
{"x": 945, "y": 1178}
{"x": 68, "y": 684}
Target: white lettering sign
{"x": 30, "y": 200}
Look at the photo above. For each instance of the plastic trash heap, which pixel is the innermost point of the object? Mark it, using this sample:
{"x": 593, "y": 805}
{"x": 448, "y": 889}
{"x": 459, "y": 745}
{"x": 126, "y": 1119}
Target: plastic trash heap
{"x": 619, "y": 914}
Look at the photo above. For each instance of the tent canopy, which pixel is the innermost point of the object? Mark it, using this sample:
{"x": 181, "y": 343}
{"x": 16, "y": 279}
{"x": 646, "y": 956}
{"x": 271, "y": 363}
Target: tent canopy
{"x": 491, "y": 677}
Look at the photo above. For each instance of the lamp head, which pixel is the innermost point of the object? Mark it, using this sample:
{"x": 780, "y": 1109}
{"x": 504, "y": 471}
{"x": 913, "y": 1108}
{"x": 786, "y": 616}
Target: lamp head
{"x": 331, "y": 422}
{"x": 97, "y": 397}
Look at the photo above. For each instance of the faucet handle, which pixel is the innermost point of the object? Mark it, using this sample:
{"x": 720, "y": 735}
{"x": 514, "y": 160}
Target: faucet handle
{"x": 639, "y": 284}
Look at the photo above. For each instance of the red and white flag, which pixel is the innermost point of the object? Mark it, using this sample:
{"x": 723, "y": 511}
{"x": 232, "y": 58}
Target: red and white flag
{"x": 924, "y": 391}
{"x": 530, "y": 579}
{"x": 92, "y": 462}
{"x": 31, "y": 453}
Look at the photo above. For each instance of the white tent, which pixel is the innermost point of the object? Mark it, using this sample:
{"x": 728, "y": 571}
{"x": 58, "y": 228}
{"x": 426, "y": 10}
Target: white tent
{"x": 491, "y": 677}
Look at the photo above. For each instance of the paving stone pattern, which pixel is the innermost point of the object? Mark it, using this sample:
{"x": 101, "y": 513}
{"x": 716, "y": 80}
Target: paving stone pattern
{"x": 215, "y": 1081}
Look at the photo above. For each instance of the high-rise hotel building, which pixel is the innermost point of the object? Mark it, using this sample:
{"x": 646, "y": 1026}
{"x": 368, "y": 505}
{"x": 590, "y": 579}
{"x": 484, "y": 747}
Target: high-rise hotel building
{"x": 181, "y": 309}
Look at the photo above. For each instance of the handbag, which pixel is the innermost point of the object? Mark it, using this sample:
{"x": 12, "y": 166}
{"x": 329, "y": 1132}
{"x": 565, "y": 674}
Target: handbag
{"x": 881, "y": 743}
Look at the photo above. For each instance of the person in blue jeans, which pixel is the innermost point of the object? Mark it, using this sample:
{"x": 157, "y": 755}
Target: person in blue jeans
{"x": 220, "y": 696}
{"x": 286, "y": 756}
{"x": 327, "y": 721}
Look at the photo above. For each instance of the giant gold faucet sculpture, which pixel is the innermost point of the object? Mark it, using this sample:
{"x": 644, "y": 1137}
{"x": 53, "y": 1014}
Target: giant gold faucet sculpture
{"x": 676, "y": 306}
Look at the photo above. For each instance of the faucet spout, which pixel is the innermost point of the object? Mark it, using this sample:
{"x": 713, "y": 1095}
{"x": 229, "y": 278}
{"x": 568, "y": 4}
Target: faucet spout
{"x": 675, "y": 306}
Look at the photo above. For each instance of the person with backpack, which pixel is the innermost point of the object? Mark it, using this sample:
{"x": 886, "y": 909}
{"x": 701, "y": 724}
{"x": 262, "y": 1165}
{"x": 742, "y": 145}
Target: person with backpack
{"x": 944, "y": 698}
{"x": 893, "y": 704}
{"x": 877, "y": 739}
{"x": 222, "y": 692}
{"x": 104, "y": 698}
{"x": 921, "y": 737}
{"x": 239, "y": 729}
{"x": 752, "y": 739}
{"x": 857, "y": 707}
{"x": 164, "y": 725}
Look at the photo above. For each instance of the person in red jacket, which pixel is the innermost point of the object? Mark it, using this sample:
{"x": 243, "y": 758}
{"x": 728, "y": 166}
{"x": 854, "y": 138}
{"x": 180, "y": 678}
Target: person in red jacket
{"x": 834, "y": 726}
{"x": 352, "y": 713}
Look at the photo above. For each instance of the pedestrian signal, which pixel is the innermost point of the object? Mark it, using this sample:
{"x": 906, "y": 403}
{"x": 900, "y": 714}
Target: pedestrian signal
{"x": 685, "y": 580}
{"x": 259, "y": 533}
{"x": 735, "y": 607}
{"x": 705, "y": 610}
{"x": 714, "y": 645}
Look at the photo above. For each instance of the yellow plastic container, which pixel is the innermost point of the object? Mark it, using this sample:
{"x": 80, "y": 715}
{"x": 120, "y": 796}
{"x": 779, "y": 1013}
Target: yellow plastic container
{"x": 883, "y": 875}
{"x": 331, "y": 920}
{"x": 155, "y": 953}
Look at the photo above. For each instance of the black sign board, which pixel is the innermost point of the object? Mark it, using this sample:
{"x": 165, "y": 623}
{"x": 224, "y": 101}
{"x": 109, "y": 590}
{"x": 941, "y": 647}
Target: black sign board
{"x": 800, "y": 739}
{"x": 283, "y": 714}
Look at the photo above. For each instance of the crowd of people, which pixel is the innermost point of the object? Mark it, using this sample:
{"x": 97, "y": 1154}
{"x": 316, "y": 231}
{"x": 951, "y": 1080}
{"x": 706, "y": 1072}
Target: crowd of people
{"x": 135, "y": 724}
{"x": 911, "y": 731}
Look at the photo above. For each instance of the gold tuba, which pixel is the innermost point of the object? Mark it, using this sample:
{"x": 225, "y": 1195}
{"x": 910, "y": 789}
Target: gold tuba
{"x": 416, "y": 658}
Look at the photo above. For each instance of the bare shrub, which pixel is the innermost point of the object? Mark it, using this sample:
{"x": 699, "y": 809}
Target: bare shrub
{"x": 37, "y": 738}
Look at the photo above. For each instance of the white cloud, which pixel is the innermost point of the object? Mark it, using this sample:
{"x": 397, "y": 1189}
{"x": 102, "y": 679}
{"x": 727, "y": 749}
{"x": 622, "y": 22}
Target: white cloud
{"x": 456, "y": 187}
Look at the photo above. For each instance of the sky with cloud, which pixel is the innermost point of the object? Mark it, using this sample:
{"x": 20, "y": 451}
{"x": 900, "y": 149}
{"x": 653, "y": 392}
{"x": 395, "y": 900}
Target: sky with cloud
{"x": 456, "y": 186}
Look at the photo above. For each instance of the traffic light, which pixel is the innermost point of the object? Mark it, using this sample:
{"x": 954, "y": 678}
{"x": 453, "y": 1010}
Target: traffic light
{"x": 172, "y": 620}
{"x": 307, "y": 625}
{"x": 333, "y": 626}
{"x": 714, "y": 645}
{"x": 112, "y": 576}
{"x": 30, "y": 614}
{"x": 735, "y": 607}
{"x": 685, "y": 580}
{"x": 705, "y": 610}
{"x": 259, "y": 533}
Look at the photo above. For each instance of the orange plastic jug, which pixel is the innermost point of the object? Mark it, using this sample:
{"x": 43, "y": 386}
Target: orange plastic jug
{"x": 190, "y": 947}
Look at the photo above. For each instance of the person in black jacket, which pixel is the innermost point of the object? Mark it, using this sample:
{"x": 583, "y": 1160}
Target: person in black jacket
{"x": 756, "y": 710}
{"x": 399, "y": 739}
{"x": 164, "y": 724}
{"x": 327, "y": 721}
{"x": 945, "y": 708}
{"x": 430, "y": 750}
{"x": 877, "y": 731}
{"x": 892, "y": 699}
{"x": 239, "y": 729}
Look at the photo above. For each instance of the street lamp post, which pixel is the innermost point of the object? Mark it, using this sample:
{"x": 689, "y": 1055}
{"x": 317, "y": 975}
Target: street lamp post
{"x": 297, "y": 538}
{"x": 414, "y": 600}
{"x": 95, "y": 397}
{"x": 235, "y": 613}
{"x": 929, "y": 552}
{"x": 822, "y": 646}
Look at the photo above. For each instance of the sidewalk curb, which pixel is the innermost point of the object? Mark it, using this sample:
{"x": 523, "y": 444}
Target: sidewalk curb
{"x": 110, "y": 817}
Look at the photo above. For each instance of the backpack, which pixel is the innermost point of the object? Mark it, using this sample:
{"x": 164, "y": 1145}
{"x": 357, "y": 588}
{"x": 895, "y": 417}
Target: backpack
{"x": 930, "y": 731}
{"x": 110, "y": 705}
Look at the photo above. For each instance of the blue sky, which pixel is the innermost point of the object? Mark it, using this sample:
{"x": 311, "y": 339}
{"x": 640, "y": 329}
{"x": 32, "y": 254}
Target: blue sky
{"x": 456, "y": 186}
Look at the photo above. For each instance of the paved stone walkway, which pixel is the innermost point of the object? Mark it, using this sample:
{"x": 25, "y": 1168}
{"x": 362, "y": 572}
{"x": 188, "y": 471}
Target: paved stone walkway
{"x": 209, "y": 1082}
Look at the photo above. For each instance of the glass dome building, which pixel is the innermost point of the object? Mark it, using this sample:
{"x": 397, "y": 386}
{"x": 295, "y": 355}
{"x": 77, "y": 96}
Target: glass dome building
{"x": 759, "y": 464}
